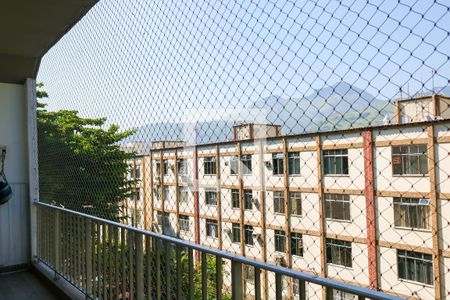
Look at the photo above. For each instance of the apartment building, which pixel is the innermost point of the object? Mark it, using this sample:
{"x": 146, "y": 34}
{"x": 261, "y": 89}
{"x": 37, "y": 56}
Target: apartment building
{"x": 365, "y": 206}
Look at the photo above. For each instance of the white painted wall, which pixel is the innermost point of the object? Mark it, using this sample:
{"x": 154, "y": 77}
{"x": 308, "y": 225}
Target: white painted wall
{"x": 14, "y": 216}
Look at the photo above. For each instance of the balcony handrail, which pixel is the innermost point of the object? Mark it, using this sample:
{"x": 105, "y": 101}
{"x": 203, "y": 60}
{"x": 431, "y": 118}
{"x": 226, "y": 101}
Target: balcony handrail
{"x": 326, "y": 282}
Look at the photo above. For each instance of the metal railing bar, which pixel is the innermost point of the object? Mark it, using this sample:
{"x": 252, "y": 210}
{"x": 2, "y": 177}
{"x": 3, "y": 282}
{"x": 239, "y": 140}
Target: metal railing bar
{"x": 326, "y": 282}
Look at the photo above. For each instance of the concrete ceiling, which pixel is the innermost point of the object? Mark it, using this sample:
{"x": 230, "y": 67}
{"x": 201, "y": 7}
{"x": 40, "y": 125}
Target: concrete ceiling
{"x": 28, "y": 28}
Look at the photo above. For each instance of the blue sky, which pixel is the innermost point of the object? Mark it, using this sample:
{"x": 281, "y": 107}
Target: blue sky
{"x": 139, "y": 61}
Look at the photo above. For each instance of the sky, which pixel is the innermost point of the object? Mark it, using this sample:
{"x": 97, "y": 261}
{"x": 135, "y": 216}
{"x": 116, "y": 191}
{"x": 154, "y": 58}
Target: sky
{"x": 137, "y": 61}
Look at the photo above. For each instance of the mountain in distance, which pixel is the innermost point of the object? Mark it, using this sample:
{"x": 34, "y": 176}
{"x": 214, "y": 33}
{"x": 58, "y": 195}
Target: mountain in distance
{"x": 336, "y": 107}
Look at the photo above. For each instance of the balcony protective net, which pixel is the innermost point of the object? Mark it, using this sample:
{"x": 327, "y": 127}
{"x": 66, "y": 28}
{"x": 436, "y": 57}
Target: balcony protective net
{"x": 308, "y": 134}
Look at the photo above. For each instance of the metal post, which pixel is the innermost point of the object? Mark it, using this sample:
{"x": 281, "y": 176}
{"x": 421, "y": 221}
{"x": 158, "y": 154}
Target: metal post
{"x": 236, "y": 280}
{"x": 139, "y": 267}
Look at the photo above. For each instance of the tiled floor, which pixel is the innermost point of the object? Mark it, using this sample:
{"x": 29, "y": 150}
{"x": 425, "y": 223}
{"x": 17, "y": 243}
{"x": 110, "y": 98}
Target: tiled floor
{"x": 23, "y": 285}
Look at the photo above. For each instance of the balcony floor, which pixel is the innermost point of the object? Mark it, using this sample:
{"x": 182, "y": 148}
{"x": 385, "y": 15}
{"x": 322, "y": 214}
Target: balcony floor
{"x": 23, "y": 285}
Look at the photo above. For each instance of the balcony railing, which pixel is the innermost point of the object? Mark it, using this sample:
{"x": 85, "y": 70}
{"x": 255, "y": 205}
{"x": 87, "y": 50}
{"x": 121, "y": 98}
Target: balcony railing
{"x": 109, "y": 260}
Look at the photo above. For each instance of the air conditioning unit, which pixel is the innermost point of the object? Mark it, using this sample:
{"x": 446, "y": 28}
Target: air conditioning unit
{"x": 279, "y": 260}
{"x": 424, "y": 202}
{"x": 257, "y": 232}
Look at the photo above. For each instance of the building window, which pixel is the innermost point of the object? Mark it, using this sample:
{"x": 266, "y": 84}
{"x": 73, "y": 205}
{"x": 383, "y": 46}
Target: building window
{"x": 248, "y": 235}
{"x": 294, "y": 163}
{"x": 412, "y": 212}
{"x": 183, "y": 194}
{"x": 166, "y": 194}
{"x": 234, "y": 165}
{"x": 278, "y": 202}
{"x": 236, "y": 233}
{"x": 337, "y": 207}
{"x": 335, "y": 294}
{"x": 249, "y": 273}
{"x": 135, "y": 172}
{"x": 211, "y": 197}
{"x": 156, "y": 193}
{"x": 158, "y": 167}
{"x": 299, "y": 289}
{"x": 235, "y": 198}
{"x": 181, "y": 166}
{"x": 163, "y": 219}
{"x": 138, "y": 195}
{"x": 410, "y": 160}
{"x": 279, "y": 240}
{"x": 211, "y": 228}
{"x": 209, "y": 165}
{"x": 165, "y": 167}
{"x": 339, "y": 252}
{"x": 248, "y": 197}
{"x": 246, "y": 164}
{"x": 183, "y": 222}
{"x": 277, "y": 163}
{"x": 335, "y": 162}
{"x": 295, "y": 201}
{"x": 296, "y": 244}
{"x": 415, "y": 266}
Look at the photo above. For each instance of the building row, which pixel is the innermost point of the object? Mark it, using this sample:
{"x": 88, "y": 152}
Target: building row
{"x": 365, "y": 206}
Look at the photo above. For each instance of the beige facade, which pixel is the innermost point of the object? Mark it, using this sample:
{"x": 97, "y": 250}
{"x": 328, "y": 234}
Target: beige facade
{"x": 188, "y": 192}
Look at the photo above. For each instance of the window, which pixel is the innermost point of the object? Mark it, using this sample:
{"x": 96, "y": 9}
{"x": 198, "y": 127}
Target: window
{"x": 278, "y": 202}
{"x": 158, "y": 168}
{"x": 295, "y": 201}
{"x": 162, "y": 218}
{"x": 337, "y": 207}
{"x": 412, "y": 212}
{"x": 334, "y": 294}
{"x": 294, "y": 163}
{"x": 138, "y": 195}
{"x": 415, "y": 266}
{"x": 279, "y": 240}
{"x": 246, "y": 164}
{"x": 299, "y": 289}
{"x": 335, "y": 162}
{"x": 181, "y": 166}
{"x": 236, "y": 233}
{"x": 166, "y": 194}
{"x": 296, "y": 244}
{"x": 248, "y": 235}
{"x": 277, "y": 163}
{"x": 234, "y": 165}
{"x": 211, "y": 197}
{"x": 410, "y": 160}
{"x": 211, "y": 228}
{"x": 249, "y": 273}
{"x": 235, "y": 198}
{"x": 165, "y": 167}
{"x": 183, "y": 222}
{"x": 183, "y": 194}
{"x": 339, "y": 252}
{"x": 248, "y": 197}
{"x": 135, "y": 173}
{"x": 156, "y": 193}
{"x": 209, "y": 165}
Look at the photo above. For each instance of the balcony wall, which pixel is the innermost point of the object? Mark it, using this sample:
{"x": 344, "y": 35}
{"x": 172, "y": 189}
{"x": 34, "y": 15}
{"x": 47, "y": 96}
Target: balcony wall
{"x": 14, "y": 215}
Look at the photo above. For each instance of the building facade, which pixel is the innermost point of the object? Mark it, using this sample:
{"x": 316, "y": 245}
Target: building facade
{"x": 364, "y": 206}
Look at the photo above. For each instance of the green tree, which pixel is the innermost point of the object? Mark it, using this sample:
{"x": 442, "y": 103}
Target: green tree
{"x": 81, "y": 165}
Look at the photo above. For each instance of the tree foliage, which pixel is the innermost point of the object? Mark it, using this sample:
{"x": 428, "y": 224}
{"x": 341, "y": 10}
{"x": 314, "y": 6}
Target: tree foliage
{"x": 81, "y": 165}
